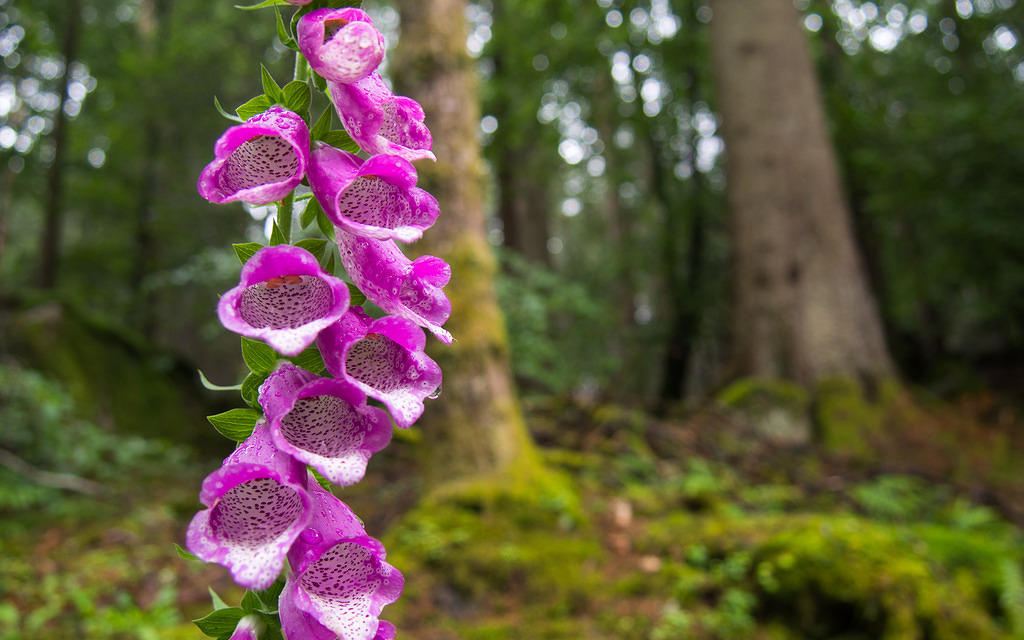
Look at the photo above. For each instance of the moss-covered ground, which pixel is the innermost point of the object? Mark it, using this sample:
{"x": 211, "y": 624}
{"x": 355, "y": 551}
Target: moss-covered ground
{"x": 707, "y": 524}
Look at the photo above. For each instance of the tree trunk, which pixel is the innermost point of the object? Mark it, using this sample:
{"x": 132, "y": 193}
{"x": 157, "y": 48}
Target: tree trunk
{"x": 476, "y": 426}
{"x": 54, "y": 212}
{"x": 802, "y": 307}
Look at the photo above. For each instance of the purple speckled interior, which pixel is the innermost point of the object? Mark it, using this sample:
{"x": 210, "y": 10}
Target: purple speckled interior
{"x": 323, "y": 425}
{"x": 260, "y": 160}
{"x": 285, "y": 303}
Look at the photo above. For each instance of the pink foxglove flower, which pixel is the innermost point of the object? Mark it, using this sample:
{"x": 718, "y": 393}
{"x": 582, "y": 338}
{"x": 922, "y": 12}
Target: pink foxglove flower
{"x": 376, "y": 198}
{"x": 381, "y": 122}
{"x": 323, "y": 422}
{"x": 283, "y": 298}
{"x": 258, "y": 506}
{"x": 248, "y": 628}
{"x": 341, "y": 45}
{"x": 412, "y": 289}
{"x": 259, "y": 161}
{"x": 340, "y": 580}
{"x": 385, "y": 359}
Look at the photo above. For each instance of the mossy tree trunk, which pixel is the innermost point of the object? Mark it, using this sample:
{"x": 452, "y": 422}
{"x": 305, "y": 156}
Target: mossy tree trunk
{"x": 476, "y": 426}
{"x": 802, "y": 306}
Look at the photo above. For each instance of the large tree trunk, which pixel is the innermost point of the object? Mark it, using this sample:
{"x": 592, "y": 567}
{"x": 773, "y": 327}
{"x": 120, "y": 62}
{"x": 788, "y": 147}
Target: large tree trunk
{"x": 476, "y": 426}
{"x": 802, "y": 307}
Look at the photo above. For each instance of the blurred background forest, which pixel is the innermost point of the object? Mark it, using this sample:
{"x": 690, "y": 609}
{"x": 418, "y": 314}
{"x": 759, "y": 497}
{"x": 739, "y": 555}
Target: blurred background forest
{"x": 774, "y": 394}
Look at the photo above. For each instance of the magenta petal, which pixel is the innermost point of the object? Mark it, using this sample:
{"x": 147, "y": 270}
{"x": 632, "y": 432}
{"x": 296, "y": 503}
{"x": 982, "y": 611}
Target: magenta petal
{"x": 341, "y": 45}
{"x": 248, "y": 628}
{"x": 403, "y": 288}
{"x": 381, "y": 122}
{"x": 385, "y": 631}
{"x": 376, "y": 198}
{"x": 341, "y": 580}
{"x": 385, "y": 359}
{"x": 283, "y": 298}
{"x": 258, "y": 505}
{"x": 323, "y": 422}
{"x": 259, "y": 161}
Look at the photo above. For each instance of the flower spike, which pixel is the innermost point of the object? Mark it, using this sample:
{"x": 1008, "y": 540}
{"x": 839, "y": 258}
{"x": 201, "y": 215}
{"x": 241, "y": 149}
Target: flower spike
{"x": 381, "y": 122}
{"x": 376, "y": 198}
{"x": 341, "y": 45}
{"x": 258, "y": 505}
{"x": 323, "y": 422}
{"x": 259, "y": 161}
{"x": 283, "y": 298}
{"x": 407, "y": 289}
{"x": 385, "y": 359}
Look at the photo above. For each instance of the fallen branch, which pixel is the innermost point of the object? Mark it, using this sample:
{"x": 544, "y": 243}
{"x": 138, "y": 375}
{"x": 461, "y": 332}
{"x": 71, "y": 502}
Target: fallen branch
{"x": 65, "y": 481}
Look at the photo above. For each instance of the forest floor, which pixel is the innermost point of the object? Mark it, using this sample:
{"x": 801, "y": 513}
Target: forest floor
{"x": 695, "y": 526}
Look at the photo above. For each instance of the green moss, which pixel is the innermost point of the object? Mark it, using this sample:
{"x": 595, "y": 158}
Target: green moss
{"x": 778, "y": 410}
{"x": 849, "y": 420}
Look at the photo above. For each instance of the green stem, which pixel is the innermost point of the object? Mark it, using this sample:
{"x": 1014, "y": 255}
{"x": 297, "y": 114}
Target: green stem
{"x": 301, "y": 68}
{"x": 284, "y": 216}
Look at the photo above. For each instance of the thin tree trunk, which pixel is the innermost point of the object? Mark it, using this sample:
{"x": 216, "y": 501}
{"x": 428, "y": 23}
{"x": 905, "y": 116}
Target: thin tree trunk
{"x": 476, "y": 426}
{"x": 802, "y": 307}
{"x": 50, "y": 244}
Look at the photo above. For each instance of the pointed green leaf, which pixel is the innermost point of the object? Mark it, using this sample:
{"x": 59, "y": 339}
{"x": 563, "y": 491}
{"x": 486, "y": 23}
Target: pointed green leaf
{"x": 251, "y": 389}
{"x": 340, "y": 139}
{"x": 270, "y": 595}
{"x": 297, "y": 96}
{"x": 319, "y": 83}
{"x": 258, "y": 356}
{"x": 326, "y": 226}
{"x": 356, "y": 296}
{"x": 309, "y": 214}
{"x": 251, "y": 602}
{"x": 236, "y": 424}
{"x": 322, "y": 124}
{"x": 185, "y": 553}
{"x": 277, "y": 236}
{"x": 218, "y": 603}
{"x": 246, "y": 250}
{"x": 324, "y": 482}
{"x": 215, "y": 387}
{"x": 261, "y": 5}
{"x": 270, "y": 87}
{"x": 310, "y": 360}
{"x": 223, "y": 112}
{"x": 313, "y": 245}
{"x": 220, "y": 621}
{"x": 330, "y": 266}
{"x": 282, "y": 33}
{"x": 254, "y": 106}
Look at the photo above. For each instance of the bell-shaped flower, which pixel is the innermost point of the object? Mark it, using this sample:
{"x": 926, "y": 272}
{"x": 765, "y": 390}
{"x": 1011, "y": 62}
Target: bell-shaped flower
{"x": 412, "y": 289}
{"x": 376, "y": 198}
{"x": 283, "y": 298}
{"x": 248, "y": 628}
{"x": 381, "y": 122}
{"x": 384, "y": 358}
{"x": 257, "y": 506}
{"x": 258, "y": 161}
{"x": 339, "y": 581}
{"x": 323, "y": 422}
{"x": 341, "y": 45}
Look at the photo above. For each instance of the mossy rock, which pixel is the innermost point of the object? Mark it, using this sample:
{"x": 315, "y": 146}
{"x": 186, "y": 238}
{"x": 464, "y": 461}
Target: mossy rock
{"x": 777, "y": 410}
{"x": 849, "y": 418}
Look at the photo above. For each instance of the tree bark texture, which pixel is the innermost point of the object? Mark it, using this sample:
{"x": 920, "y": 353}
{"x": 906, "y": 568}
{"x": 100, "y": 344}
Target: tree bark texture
{"x": 802, "y": 307}
{"x": 476, "y": 426}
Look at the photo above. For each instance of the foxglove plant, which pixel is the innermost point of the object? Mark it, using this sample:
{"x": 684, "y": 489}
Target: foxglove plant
{"x": 270, "y": 517}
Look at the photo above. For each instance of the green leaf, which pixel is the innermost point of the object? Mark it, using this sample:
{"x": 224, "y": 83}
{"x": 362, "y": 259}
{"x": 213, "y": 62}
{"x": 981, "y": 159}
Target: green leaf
{"x": 254, "y": 106}
{"x": 220, "y": 621}
{"x": 326, "y": 226}
{"x": 313, "y": 245}
{"x": 258, "y": 356}
{"x": 309, "y": 214}
{"x": 251, "y": 602}
{"x": 297, "y": 96}
{"x": 251, "y": 389}
{"x": 310, "y": 360}
{"x": 185, "y": 553}
{"x": 270, "y": 595}
{"x": 282, "y": 33}
{"x": 324, "y": 482}
{"x": 339, "y": 138}
{"x": 246, "y": 250}
{"x": 215, "y": 387}
{"x": 261, "y": 5}
{"x": 223, "y": 112}
{"x": 356, "y": 296}
{"x": 277, "y": 236}
{"x": 218, "y": 603}
{"x": 323, "y": 124}
{"x": 319, "y": 82}
{"x": 236, "y": 424}
{"x": 270, "y": 87}
{"x": 330, "y": 266}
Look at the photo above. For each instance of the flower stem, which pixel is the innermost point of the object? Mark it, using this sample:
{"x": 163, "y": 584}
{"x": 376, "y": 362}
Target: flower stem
{"x": 284, "y": 216}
